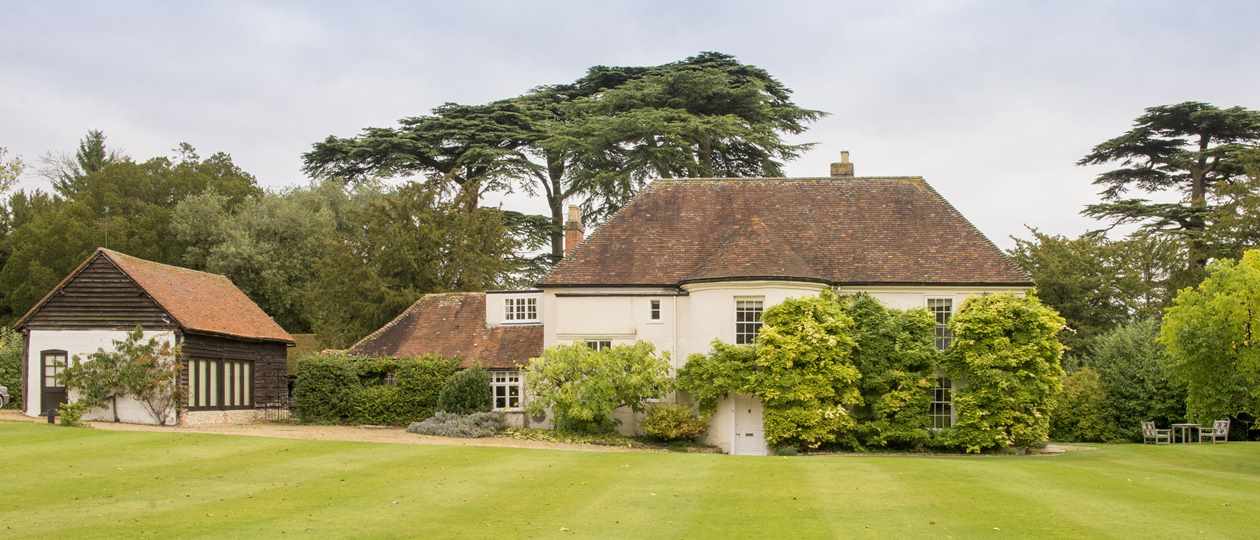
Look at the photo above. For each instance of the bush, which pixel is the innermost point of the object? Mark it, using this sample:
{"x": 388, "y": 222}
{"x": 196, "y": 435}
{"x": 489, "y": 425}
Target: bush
{"x": 419, "y": 381}
{"x": 325, "y": 389}
{"x": 468, "y": 426}
{"x": 898, "y": 360}
{"x": 1004, "y": 362}
{"x": 1212, "y": 333}
{"x": 583, "y": 387}
{"x": 338, "y": 388}
{"x": 673, "y": 422}
{"x": 465, "y": 392}
{"x": 1080, "y": 412}
{"x": 805, "y": 375}
{"x": 11, "y": 365}
{"x": 379, "y": 405}
{"x": 801, "y": 369}
{"x": 71, "y": 413}
{"x": 1133, "y": 368}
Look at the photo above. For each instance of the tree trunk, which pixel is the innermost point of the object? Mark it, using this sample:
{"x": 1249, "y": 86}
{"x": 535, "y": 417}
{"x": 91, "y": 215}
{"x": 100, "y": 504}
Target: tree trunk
{"x": 557, "y": 227}
{"x": 1196, "y": 226}
{"x": 114, "y": 406}
{"x": 555, "y": 201}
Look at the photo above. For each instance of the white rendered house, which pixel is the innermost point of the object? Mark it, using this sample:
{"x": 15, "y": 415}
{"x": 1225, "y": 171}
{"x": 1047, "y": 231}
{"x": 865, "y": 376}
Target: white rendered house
{"x": 690, "y": 261}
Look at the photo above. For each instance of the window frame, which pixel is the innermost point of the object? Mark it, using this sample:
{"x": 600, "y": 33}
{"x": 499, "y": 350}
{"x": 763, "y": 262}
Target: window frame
{"x": 222, "y": 383}
{"x": 942, "y": 336}
{"x": 654, "y": 310}
{"x": 742, "y": 334}
{"x": 508, "y": 385}
{"x": 520, "y": 309}
{"x": 598, "y": 344}
{"x": 941, "y": 408}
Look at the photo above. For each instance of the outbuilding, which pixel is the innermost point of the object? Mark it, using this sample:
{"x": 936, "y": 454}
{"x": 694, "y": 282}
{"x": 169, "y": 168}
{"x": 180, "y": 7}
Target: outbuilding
{"x": 232, "y": 354}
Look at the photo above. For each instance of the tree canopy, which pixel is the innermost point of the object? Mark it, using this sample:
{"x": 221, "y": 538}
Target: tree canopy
{"x": 601, "y": 137}
{"x": 1212, "y": 333}
{"x": 1195, "y": 150}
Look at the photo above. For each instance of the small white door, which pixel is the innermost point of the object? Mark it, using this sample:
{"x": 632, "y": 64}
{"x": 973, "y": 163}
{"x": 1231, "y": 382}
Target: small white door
{"x": 749, "y": 437}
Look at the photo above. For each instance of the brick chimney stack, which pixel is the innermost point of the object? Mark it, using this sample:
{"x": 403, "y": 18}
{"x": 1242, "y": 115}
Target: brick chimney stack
{"x": 573, "y": 230}
{"x": 842, "y": 168}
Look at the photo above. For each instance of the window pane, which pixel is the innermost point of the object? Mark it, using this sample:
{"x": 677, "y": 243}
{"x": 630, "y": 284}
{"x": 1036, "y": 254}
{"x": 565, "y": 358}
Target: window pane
{"x": 248, "y": 384}
{"x": 192, "y": 383}
{"x": 942, "y": 309}
{"x": 747, "y": 320}
{"x": 214, "y": 384}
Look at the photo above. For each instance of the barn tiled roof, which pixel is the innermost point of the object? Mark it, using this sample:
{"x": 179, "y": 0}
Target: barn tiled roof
{"x": 454, "y": 325}
{"x": 200, "y": 301}
{"x": 854, "y": 230}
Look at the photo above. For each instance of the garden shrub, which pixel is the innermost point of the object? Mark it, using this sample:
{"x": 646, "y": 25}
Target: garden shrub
{"x": 583, "y": 387}
{"x": 805, "y": 375}
{"x": 419, "y": 381}
{"x": 325, "y": 389}
{"x": 673, "y": 422}
{"x": 465, "y": 392}
{"x": 145, "y": 369}
{"x": 338, "y": 388}
{"x": 475, "y": 425}
{"x": 801, "y": 369}
{"x": 898, "y": 360}
{"x": 1004, "y": 362}
{"x": 379, "y": 405}
{"x": 11, "y": 365}
{"x": 1080, "y": 413}
{"x": 1133, "y": 368}
{"x": 70, "y": 414}
{"x": 1212, "y": 333}
{"x": 707, "y": 378}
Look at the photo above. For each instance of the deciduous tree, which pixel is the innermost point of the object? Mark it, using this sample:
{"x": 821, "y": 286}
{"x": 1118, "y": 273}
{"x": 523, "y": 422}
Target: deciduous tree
{"x": 1212, "y": 333}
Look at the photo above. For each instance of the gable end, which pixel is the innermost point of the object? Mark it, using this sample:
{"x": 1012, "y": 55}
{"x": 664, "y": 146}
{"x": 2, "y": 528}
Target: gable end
{"x": 97, "y": 296}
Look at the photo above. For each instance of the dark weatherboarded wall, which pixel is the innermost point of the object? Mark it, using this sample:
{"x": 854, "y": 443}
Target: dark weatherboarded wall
{"x": 100, "y": 298}
{"x": 270, "y": 373}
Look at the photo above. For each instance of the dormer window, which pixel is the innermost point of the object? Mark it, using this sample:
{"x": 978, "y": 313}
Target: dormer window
{"x": 520, "y": 309}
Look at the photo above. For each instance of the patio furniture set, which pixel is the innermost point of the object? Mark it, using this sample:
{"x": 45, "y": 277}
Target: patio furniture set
{"x": 1218, "y": 431}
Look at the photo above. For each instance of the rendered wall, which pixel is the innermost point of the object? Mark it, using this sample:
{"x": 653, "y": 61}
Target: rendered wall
{"x": 83, "y": 343}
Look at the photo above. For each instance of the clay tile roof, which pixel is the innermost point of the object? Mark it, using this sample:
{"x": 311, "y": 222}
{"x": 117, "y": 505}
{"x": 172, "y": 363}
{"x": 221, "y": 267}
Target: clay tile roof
{"x": 753, "y": 251}
{"x": 454, "y": 325}
{"x": 200, "y": 301}
{"x": 856, "y": 230}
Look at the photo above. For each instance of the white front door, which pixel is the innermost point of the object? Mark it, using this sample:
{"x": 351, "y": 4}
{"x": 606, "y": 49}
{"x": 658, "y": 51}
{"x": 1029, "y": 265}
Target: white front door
{"x": 750, "y": 437}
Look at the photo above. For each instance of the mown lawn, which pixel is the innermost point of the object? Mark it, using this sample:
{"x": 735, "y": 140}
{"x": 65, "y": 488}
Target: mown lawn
{"x": 64, "y": 483}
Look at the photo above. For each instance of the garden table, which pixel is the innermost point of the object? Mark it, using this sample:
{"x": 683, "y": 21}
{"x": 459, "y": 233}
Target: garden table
{"x": 1185, "y": 431}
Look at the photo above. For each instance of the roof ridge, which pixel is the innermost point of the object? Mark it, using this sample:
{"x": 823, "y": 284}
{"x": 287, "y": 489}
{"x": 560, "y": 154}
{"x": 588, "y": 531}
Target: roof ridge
{"x": 118, "y": 254}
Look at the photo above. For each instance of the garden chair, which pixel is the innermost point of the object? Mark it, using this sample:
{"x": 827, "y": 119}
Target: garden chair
{"x": 1218, "y": 431}
{"x": 1151, "y": 434}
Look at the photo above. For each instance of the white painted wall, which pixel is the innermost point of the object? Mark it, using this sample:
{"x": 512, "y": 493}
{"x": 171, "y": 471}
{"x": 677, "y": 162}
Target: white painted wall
{"x": 496, "y": 311}
{"x": 82, "y": 343}
{"x": 712, "y": 309}
{"x": 690, "y": 323}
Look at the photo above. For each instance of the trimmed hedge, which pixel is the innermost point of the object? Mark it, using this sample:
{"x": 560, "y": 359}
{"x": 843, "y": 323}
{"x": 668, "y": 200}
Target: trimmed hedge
{"x": 342, "y": 389}
{"x": 466, "y": 392}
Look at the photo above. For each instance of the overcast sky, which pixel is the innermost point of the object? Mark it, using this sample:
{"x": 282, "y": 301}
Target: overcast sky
{"x": 992, "y": 102}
